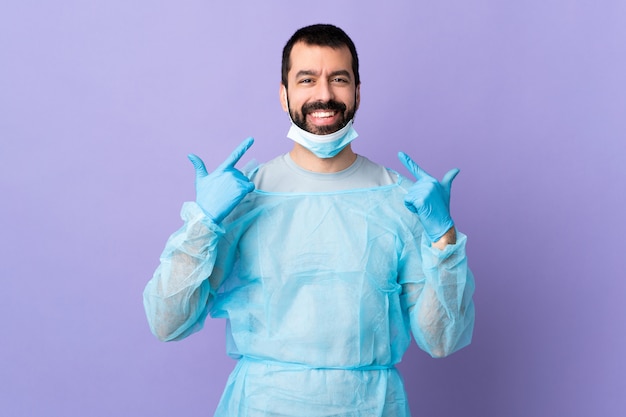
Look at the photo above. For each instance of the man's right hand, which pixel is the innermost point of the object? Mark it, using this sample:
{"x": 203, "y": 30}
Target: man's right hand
{"x": 219, "y": 192}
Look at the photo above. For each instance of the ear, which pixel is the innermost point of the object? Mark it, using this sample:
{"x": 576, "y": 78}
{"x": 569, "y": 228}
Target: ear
{"x": 357, "y": 97}
{"x": 282, "y": 92}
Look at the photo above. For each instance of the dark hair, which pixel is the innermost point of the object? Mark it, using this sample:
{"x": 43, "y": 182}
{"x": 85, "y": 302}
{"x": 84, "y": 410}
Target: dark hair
{"x": 320, "y": 35}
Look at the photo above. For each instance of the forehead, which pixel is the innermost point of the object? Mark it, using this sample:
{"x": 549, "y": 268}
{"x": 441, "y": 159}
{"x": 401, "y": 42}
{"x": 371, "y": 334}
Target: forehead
{"x": 319, "y": 58}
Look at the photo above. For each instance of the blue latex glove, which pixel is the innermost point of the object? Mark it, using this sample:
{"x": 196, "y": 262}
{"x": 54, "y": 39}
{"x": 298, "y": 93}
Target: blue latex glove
{"x": 429, "y": 199}
{"x": 219, "y": 193}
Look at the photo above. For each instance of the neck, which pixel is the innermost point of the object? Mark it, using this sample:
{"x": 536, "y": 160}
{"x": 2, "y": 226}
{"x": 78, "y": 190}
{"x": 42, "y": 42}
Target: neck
{"x": 309, "y": 161}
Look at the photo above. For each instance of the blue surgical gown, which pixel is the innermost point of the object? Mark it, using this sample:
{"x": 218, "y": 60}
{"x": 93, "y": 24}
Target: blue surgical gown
{"x": 320, "y": 292}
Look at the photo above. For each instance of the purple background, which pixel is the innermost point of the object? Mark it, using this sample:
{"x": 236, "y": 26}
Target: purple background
{"x": 100, "y": 102}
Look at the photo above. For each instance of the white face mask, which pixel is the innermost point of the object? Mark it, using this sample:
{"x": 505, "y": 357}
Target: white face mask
{"x": 323, "y": 146}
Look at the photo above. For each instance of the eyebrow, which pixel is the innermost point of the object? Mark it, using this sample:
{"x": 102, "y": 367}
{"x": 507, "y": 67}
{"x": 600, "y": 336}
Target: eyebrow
{"x": 303, "y": 73}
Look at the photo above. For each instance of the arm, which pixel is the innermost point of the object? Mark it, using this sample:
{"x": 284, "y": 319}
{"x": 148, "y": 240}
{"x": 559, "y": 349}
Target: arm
{"x": 177, "y": 298}
{"x": 439, "y": 303}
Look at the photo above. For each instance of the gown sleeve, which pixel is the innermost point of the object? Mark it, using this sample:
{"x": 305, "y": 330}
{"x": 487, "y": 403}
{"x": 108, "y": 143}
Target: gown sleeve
{"x": 177, "y": 298}
{"x": 438, "y": 297}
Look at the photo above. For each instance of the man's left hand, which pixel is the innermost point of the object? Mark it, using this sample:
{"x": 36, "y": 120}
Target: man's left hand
{"x": 430, "y": 200}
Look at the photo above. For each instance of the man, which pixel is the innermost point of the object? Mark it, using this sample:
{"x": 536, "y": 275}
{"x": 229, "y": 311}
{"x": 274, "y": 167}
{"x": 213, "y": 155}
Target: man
{"x": 322, "y": 261}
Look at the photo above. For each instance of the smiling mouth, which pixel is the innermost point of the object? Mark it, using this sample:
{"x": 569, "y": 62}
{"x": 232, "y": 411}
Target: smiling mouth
{"x": 322, "y": 114}
{"x": 320, "y": 118}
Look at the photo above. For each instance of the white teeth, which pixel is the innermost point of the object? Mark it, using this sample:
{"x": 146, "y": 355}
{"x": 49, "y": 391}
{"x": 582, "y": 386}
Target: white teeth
{"x": 324, "y": 114}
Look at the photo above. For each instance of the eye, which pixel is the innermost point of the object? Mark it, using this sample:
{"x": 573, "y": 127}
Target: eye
{"x": 305, "y": 81}
{"x": 340, "y": 80}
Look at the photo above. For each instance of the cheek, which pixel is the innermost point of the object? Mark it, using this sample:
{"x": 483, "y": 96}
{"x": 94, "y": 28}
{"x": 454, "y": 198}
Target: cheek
{"x": 349, "y": 98}
{"x": 295, "y": 103}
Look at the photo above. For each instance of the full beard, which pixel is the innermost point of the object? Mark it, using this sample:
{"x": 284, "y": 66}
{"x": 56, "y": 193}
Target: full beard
{"x": 299, "y": 119}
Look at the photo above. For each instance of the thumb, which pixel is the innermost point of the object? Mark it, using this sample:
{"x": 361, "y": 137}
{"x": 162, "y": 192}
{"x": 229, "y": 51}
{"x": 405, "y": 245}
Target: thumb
{"x": 198, "y": 164}
{"x": 447, "y": 179}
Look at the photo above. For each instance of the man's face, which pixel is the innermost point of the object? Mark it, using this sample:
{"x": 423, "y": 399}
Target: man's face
{"x": 322, "y": 95}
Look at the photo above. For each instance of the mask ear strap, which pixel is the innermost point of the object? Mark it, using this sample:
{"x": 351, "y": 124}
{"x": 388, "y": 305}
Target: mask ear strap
{"x": 287, "y": 103}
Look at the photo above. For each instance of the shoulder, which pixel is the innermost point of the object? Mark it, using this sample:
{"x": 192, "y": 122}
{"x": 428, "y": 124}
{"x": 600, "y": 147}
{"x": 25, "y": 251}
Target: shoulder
{"x": 383, "y": 174}
{"x": 269, "y": 171}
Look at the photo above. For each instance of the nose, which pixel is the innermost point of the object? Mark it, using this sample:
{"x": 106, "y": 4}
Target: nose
{"x": 323, "y": 91}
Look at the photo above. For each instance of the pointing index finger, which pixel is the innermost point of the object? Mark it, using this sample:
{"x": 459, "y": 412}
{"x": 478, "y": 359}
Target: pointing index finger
{"x": 237, "y": 154}
{"x": 413, "y": 168}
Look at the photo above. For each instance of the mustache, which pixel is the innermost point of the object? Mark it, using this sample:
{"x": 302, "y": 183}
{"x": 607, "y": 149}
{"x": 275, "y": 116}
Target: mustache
{"x": 321, "y": 105}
